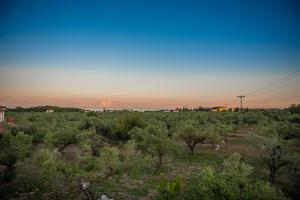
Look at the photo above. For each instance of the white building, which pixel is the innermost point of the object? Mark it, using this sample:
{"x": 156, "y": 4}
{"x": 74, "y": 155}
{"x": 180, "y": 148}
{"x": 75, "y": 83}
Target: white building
{"x": 2, "y": 110}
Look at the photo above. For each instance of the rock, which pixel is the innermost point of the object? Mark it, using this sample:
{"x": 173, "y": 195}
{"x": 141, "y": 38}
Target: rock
{"x": 104, "y": 197}
{"x": 217, "y": 147}
{"x": 70, "y": 152}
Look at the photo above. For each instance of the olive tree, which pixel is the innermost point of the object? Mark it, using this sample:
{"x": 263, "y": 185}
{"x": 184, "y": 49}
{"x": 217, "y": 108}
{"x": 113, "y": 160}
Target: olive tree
{"x": 62, "y": 137}
{"x": 261, "y": 190}
{"x": 224, "y": 129}
{"x": 191, "y": 134}
{"x": 213, "y": 186}
{"x": 90, "y": 141}
{"x": 153, "y": 140}
{"x": 270, "y": 148}
{"x": 237, "y": 172}
{"x": 13, "y": 149}
{"x": 234, "y": 181}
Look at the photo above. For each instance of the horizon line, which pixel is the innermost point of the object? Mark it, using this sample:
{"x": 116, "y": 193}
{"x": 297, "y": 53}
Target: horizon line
{"x": 142, "y": 109}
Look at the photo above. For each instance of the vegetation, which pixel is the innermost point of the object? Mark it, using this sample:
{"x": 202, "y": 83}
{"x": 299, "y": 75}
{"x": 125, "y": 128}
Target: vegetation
{"x": 271, "y": 149}
{"x": 152, "y": 155}
{"x": 169, "y": 189}
{"x": 44, "y": 109}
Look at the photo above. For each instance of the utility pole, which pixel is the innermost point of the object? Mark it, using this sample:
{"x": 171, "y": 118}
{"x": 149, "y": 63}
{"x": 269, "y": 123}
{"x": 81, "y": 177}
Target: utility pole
{"x": 241, "y": 99}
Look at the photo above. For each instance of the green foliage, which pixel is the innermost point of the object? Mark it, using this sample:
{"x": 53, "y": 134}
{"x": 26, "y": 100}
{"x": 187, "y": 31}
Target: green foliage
{"x": 236, "y": 170}
{"x": 262, "y": 190}
{"x": 224, "y": 129}
{"x": 251, "y": 117}
{"x": 154, "y": 140}
{"x": 90, "y": 141}
{"x": 270, "y": 148}
{"x": 288, "y": 130}
{"x": 56, "y": 177}
{"x": 213, "y": 186}
{"x": 294, "y": 109}
{"x": 44, "y": 108}
{"x": 191, "y": 134}
{"x": 119, "y": 129}
{"x": 117, "y": 153}
{"x": 169, "y": 189}
{"x": 60, "y": 138}
{"x": 295, "y": 119}
{"x": 129, "y": 156}
{"x": 14, "y": 148}
{"x": 234, "y": 182}
{"x": 85, "y": 124}
{"x": 104, "y": 127}
{"x": 110, "y": 160}
{"x": 123, "y": 126}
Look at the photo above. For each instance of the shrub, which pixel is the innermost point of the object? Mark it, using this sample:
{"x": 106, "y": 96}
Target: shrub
{"x": 169, "y": 189}
{"x": 262, "y": 190}
{"x": 213, "y": 186}
{"x": 294, "y": 109}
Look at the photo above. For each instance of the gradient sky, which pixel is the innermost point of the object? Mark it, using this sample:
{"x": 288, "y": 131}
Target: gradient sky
{"x": 149, "y": 54}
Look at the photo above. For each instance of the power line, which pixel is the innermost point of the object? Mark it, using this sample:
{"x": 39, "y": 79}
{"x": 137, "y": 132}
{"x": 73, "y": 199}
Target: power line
{"x": 272, "y": 96}
{"x": 285, "y": 99}
{"x": 276, "y": 87}
{"x": 287, "y": 77}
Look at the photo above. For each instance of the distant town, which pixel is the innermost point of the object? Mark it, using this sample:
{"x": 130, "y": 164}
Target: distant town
{"x": 51, "y": 109}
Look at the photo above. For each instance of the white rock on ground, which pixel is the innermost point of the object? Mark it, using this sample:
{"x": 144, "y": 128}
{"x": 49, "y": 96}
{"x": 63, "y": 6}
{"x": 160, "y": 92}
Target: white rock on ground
{"x": 104, "y": 197}
{"x": 217, "y": 147}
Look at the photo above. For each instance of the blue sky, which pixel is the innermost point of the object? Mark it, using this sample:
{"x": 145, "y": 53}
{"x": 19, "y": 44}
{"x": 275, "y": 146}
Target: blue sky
{"x": 156, "y": 37}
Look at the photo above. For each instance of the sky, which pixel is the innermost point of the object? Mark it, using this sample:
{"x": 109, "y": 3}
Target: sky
{"x": 149, "y": 54}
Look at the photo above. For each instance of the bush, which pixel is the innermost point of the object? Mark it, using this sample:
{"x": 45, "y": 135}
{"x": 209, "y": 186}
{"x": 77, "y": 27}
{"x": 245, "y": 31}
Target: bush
{"x": 261, "y": 190}
{"x": 213, "y": 186}
{"x": 110, "y": 160}
{"x": 14, "y": 148}
{"x": 294, "y": 109}
{"x": 169, "y": 189}
{"x": 62, "y": 137}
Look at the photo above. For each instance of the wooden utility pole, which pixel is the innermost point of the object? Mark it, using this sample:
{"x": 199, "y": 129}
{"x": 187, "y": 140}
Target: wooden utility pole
{"x": 241, "y": 100}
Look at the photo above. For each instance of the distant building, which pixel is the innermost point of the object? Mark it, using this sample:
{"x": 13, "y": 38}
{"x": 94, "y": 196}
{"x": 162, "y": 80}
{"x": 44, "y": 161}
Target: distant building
{"x": 49, "y": 111}
{"x": 2, "y": 110}
{"x": 219, "y": 109}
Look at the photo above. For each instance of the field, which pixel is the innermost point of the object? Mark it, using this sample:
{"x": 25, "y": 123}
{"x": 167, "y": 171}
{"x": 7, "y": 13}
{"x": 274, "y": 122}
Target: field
{"x": 151, "y": 155}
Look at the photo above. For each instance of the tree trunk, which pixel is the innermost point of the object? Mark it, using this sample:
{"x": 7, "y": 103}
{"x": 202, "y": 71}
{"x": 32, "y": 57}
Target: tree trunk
{"x": 87, "y": 194}
{"x": 160, "y": 161}
{"x": 272, "y": 176}
{"x": 191, "y": 145}
{"x": 191, "y": 148}
{"x": 241, "y": 191}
